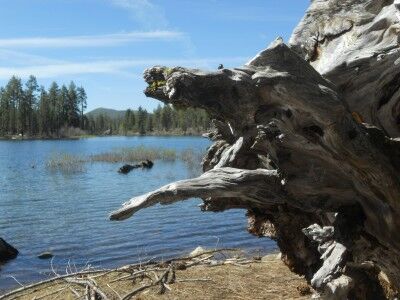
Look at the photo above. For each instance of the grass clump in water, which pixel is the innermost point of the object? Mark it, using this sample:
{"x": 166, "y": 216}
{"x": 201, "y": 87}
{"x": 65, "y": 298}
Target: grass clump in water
{"x": 135, "y": 154}
{"x": 66, "y": 163}
{"x": 71, "y": 163}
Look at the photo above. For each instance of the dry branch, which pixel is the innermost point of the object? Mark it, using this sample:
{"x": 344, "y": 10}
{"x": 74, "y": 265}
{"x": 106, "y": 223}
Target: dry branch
{"x": 36, "y": 284}
{"x": 223, "y": 182}
{"x": 87, "y": 283}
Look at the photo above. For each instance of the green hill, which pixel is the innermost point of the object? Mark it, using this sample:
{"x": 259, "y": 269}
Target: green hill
{"x": 111, "y": 113}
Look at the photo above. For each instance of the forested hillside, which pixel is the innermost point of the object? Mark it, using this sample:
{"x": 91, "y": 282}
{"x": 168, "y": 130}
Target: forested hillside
{"x": 163, "y": 120}
{"x": 30, "y": 110}
{"x": 112, "y": 113}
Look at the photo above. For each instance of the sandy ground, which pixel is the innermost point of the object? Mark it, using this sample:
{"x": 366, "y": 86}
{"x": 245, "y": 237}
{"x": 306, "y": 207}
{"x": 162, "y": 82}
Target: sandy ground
{"x": 265, "y": 279}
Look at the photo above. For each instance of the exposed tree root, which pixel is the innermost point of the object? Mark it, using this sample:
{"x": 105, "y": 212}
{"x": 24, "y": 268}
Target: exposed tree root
{"x": 290, "y": 145}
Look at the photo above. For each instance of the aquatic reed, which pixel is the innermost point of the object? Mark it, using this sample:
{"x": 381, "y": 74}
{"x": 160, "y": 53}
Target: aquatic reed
{"x": 135, "y": 154}
{"x": 66, "y": 163}
{"x": 72, "y": 163}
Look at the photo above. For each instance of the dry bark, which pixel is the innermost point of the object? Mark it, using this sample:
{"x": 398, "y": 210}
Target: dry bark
{"x": 291, "y": 145}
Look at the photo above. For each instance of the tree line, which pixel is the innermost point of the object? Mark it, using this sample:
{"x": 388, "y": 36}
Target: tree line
{"x": 27, "y": 109}
{"x": 162, "y": 120}
{"x": 30, "y": 110}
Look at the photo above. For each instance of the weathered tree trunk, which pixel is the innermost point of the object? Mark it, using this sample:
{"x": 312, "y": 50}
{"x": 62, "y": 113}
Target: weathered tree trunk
{"x": 292, "y": 145}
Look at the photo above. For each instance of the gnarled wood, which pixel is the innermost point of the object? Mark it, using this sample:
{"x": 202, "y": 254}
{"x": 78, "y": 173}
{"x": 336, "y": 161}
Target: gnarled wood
{"x": 298, "y": 111}
{"x": 355, "y": 44}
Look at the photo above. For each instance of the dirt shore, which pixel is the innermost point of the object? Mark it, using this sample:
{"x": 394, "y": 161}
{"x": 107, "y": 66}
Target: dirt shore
{"x": 233, "y": 278}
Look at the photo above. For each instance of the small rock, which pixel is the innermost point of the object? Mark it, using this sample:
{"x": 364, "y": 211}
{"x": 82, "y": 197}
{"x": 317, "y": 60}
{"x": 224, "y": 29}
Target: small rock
{"x": 45, "y": 255}
{"x": 199, "y": 250}
{"x": 7, "y": 251}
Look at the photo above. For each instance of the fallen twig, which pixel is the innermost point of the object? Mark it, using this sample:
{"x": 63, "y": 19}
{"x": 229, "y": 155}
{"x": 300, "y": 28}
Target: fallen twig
{"x": 142, "y": 288}
{"x": 89, "y": 283}
{"x": 135, "y": 274}
{"x": 51, "y": 293}
{"x": 198, "y": 261}
{"x": 118, "y": 295}
{"x": 26, "y": 287}
{"x": 200, "y": 254}
{"x": 75, "y": 292}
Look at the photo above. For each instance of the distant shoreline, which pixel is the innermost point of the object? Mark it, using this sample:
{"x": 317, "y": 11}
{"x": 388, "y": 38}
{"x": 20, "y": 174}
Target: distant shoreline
{"x": 38, "y": 138}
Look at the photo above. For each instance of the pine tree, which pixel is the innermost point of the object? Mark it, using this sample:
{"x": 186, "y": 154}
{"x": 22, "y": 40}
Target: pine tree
{"x": 55, "y": 108}
{"x": 129, "y": 121}
{"x": 149, "y": 125}
{"x": 166, "y": 117}
{"x": 72, "y": 106}
{"x": 82, "y": 101}
{"x": 28, "y": 105}
{"x": 141, "y": 116}
{"x": 45, "y": 117}
{"x": 14, "y": 96}
{"x": 4, "y": 113}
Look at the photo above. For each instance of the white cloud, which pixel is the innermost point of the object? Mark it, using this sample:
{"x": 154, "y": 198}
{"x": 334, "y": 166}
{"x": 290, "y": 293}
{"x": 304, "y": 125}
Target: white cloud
{"x": 121, "y": 67}
{"x": 152, "y": 16}
{"x": 90, "y": 40}
{"x": 17, "y": 58}
{"x": 145, "y": 12}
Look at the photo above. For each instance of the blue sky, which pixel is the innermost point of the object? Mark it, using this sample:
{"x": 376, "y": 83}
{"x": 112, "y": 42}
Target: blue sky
{"x": 104, "y": 45}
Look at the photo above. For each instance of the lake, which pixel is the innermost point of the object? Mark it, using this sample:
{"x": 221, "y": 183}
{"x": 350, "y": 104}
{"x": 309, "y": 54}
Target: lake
{"x": 67, "y": 213}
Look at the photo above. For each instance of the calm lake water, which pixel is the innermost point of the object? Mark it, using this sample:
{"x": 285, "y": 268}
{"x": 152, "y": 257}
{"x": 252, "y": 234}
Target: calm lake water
{"x": 67, "y": 214}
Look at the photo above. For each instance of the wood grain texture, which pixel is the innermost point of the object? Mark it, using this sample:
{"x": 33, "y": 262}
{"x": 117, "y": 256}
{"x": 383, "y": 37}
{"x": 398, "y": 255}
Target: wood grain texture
{"x": 291, "y": 146}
